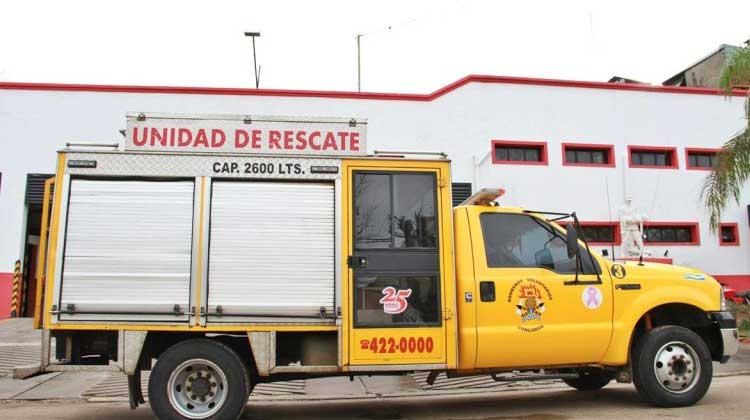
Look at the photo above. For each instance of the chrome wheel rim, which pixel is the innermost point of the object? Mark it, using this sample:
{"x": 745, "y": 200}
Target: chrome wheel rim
{"x": 677, "y": 367}
{"x": 197, "y": 388}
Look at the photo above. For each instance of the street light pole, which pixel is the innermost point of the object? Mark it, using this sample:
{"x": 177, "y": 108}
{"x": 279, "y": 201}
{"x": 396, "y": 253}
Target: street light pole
{"x": 253, "y": 35}
{"x": 359, "y": 66}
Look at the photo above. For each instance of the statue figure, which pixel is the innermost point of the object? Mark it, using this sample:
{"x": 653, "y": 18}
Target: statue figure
{"x": 631, "y": 229}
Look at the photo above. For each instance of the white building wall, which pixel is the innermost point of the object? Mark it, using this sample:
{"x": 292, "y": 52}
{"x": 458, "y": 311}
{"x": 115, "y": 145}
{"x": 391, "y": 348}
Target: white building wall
{"x": 462, "y": 122}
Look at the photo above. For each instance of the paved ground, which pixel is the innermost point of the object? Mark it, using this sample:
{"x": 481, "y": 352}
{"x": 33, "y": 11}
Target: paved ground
{"x": 553, "y": 403}
{"x": 19, "y": 344}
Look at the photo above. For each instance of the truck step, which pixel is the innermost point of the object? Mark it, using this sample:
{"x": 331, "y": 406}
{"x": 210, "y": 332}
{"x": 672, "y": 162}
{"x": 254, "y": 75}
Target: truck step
{"x": 532, "y": 377}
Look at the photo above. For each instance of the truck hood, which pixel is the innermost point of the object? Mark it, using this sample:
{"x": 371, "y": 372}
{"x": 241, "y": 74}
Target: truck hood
{"x": 657, "y": 271}
{"x": 671, "y": 278}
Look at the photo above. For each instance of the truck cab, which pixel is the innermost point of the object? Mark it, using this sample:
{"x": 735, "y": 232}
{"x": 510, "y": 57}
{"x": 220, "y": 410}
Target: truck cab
{"x": 531, "y": 294}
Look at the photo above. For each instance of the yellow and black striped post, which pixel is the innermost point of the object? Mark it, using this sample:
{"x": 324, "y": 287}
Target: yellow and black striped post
{"x": 16, "y": 292}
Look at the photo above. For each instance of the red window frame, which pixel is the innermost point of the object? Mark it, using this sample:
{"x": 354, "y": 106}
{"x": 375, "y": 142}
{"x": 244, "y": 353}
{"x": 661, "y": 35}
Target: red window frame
{"x": 693, "y": 226}
{"x": 698, "y": 150}
{"x": 520, "y": 144}
{"x": 609, "y": 148}
{"x": 671, "y": 150}
{"x": 736, "y": 230}
{"x": 615, "y": 230}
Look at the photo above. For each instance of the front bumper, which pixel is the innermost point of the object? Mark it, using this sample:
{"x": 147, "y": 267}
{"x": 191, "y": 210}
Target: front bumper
{"x": 730, "y": 342}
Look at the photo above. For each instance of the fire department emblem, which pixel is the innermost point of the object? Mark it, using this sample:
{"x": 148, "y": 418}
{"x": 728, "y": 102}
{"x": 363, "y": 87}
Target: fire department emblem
{"x": 530, "y": 305}
{"x": 530, "y": 298}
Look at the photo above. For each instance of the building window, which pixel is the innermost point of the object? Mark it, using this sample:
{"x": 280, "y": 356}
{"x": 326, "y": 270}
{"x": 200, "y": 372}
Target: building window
{"x": 598, "y": 233}
{"x": 653, "y": 157}
{"x": 702, "y": 159}
{"x": 519, "y": 152}
{"x": 576, "y": 154}
{"x": 665, "y": 233}
{"x": 728, "y": 234}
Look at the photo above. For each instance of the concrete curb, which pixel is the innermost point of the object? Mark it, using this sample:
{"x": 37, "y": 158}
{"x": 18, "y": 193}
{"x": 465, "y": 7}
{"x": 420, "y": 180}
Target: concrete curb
{"x": 366, "y": 397}
{"x": 345, "y": 397}
{"x": 24, "y": 372}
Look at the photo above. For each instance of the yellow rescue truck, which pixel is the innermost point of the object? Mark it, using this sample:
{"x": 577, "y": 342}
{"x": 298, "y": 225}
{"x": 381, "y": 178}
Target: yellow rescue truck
{"x": 223, "y": 251}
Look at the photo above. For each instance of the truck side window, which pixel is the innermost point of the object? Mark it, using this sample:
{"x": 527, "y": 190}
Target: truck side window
{"x": 390, "y": 300}
{"x": 395, "y": 210}
{"x": 519, "y": 240}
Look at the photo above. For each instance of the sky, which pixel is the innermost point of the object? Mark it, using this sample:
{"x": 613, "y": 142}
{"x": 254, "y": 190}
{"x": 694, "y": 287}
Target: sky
{"x": 406, "y": 46}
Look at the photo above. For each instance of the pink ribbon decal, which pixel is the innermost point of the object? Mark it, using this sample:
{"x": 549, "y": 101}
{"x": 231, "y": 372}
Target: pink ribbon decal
{"x": 592, "y": 299}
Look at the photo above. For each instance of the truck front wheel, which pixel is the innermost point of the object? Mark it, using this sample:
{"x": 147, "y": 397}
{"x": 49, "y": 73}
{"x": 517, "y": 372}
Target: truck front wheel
{"x": 672, "y": 367}
{"x": 198, "y": 379}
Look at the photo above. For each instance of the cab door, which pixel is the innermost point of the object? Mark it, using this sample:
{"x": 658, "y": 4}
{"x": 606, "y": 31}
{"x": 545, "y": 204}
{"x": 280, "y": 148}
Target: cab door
{"x": 396, "y": 314}
{"x": 530, "y": 309}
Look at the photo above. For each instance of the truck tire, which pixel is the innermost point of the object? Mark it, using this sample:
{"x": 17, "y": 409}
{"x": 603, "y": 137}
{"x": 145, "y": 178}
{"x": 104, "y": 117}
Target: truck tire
{"x": 199, "y": 379}
{"x": 672, "y": 367}
{"x": 590, "y": 379}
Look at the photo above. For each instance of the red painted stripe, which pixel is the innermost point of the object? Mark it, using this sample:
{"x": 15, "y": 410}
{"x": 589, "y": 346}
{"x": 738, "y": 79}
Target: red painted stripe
{"x": 738, "y": 282}
{"x": 6, "y": 285}
{"x": 364, "y": 95}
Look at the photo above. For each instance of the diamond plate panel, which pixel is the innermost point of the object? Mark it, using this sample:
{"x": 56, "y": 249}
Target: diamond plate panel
{"x": 178, "y": 165}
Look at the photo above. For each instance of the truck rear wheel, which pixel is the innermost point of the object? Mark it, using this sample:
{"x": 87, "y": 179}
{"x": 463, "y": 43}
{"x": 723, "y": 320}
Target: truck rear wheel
{"x": 199, "y": 379}
{"x": 590, "y": 379}
{"x": 672, "y": 367}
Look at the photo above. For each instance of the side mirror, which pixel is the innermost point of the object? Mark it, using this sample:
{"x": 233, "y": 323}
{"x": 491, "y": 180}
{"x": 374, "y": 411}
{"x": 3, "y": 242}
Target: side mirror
{"x": 571, "y": 238}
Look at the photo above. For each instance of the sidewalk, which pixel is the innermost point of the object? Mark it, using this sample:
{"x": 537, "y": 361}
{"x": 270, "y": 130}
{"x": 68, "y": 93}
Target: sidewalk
{"x": 20, "y": 345}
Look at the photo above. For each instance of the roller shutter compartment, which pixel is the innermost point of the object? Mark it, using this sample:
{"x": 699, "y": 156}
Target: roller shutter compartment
{"x": 127, "y": 250}
{"x": 271, "y": 251}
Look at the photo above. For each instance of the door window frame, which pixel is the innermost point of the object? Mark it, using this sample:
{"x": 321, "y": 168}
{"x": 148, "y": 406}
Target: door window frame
{"x": 436, "y": 191}
{"x": 435, "y": 250}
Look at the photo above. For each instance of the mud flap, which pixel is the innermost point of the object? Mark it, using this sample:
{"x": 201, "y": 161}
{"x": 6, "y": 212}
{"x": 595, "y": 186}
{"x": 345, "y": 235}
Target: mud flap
{"x": 135, "y": 393}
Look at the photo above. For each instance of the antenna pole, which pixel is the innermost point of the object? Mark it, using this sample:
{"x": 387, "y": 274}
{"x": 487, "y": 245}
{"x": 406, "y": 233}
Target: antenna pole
{"x": 609, "y": 210}
{"x": 359, "y": 65}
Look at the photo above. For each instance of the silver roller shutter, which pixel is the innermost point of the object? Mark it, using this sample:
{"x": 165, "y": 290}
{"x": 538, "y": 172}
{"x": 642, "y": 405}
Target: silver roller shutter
{"x": 271, "y": 251}
{"x": 128, "y": 249}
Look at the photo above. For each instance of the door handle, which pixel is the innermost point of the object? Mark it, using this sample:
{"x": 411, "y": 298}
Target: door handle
{"x": 487, "y": 291}
{"x": 356, "y": 261}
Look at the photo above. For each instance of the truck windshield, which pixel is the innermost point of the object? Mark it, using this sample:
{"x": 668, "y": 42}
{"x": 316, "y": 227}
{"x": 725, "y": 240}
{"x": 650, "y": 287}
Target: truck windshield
{"x": 519, "y": 240}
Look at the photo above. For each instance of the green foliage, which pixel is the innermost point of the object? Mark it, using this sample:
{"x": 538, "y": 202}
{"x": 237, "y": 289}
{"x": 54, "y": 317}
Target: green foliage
{"x": 732, "y": 167}
{"x": 739, "y": 310}
{"x": 741, "y": 313}
{"x": 736, "y": 73}
{"x": 744, "y": 326}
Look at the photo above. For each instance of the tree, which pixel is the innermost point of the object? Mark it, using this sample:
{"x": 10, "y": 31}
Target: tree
{"x": 731, "y": 168}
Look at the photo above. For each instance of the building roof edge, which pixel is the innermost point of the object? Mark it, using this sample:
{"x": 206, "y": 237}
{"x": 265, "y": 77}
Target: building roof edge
{"x": 475, "y": 78}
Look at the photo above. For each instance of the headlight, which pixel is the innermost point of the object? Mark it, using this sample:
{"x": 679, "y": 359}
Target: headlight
{"x": 723, "y": 299}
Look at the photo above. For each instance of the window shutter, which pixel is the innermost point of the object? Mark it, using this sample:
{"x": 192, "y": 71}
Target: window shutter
{"x": 461, "y": 191}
